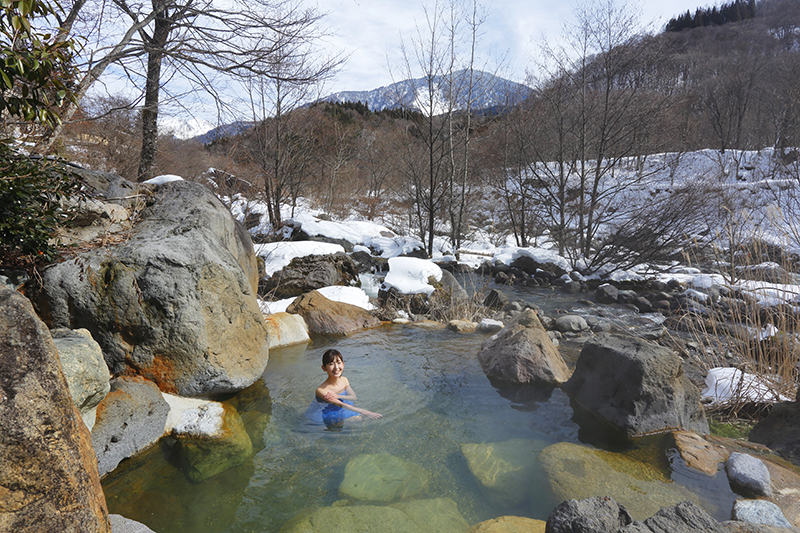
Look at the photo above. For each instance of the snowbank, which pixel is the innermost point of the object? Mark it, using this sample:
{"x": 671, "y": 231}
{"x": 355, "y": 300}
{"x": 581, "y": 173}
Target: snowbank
{"x": 409, "y": 275}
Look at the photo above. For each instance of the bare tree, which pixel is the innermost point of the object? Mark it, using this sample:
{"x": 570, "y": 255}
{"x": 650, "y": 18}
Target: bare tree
{"x": 199, "y": 40}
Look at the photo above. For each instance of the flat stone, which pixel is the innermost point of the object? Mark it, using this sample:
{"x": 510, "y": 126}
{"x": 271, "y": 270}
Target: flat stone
{"x": 462, "y": 326}
{"x": 698, "y": 453}
{"x": 488, "y": 325}
{"x": 285, "y": 329}
{"x": 383, "y": 478}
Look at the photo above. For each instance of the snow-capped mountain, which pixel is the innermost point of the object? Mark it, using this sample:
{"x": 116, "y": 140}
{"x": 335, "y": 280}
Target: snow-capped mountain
{"x": 226, "y": 130}
{"x": 488, "y": 91}
{"x": 181, "y": 128}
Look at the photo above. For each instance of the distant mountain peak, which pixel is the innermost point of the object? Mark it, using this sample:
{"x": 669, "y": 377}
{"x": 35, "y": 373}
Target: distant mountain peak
{"x": 488, "y": 91}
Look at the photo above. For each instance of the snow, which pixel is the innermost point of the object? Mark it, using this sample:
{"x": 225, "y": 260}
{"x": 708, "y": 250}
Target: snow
{"x": 725, "y": 385}
{"x": 277, "y": 255}
{"x": 183, "y": 129}
{"x": 336, "y": 293}
{"x": 409, "y": 275}
{"x": 164, "y": 178}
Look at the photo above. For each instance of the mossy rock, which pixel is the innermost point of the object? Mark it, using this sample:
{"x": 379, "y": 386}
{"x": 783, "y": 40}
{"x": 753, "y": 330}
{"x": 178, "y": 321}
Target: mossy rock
{"x": 438, "y": 515}
{"x": 578, "y": 472}
{"x": 383, "y": 477}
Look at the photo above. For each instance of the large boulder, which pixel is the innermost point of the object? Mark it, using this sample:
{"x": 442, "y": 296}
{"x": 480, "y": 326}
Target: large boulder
{"x": 85, "y": 369}
{"x": 48, "y": 471}
{"x": 311, "y": 272}
{"x": 326, "y": 317}
{"x": 437, "y": 515}
{"x": 176, "y": 303}
{"x": 131, "y": 418}
{"x": 522, "y": 353}
{"x": 637, "y": 387}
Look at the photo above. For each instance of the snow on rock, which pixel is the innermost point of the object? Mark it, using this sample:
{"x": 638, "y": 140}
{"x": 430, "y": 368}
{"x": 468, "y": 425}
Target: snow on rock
{"x": 725, "y": 385}
{"x": 164, "y": 178}
{"x": 337, "y": 293}
{"x": 508, "y": 254}
{"x": 409, "y": 275}
{"x": 314, "y": 227}
{"x": 277, "y": 255}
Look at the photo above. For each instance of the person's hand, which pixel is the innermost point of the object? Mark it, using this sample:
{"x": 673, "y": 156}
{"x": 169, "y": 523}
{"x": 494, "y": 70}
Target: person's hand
{"x": 373, "y": 416}
{"x": 330, "y": 396}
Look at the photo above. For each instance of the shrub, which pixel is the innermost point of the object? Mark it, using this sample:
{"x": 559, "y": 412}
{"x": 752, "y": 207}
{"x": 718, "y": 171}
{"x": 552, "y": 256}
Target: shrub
{"x": 31, "y": 196}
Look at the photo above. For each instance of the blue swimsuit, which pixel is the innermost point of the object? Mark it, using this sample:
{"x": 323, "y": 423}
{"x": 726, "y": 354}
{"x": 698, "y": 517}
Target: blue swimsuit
{"x": 329, "y": 414}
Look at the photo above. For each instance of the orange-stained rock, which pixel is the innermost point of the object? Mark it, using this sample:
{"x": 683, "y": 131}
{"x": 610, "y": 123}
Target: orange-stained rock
{"x": 48, "y": 470}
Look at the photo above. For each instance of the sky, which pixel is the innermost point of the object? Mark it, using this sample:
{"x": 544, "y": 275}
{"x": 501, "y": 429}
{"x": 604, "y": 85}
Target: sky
{"x": 370, "y": 31}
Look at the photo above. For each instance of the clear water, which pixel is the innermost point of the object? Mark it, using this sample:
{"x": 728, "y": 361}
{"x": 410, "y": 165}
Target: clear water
{"x": 434, "y": 397}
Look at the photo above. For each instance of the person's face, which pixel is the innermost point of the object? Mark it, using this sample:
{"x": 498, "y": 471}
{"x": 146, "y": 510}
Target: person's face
{"x": 334, "y": 368}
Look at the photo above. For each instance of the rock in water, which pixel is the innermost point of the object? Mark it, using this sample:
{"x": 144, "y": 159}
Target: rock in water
{"x": 383, "y": 477}
{"x": 175, "y": 304}
{"x": 636, "y": 386}
{"x": 522, "y": 353}
{"x": 48, "y": 471}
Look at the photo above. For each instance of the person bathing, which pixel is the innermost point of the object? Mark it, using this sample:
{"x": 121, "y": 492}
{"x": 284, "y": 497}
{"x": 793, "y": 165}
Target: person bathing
{"x": 337, "y": 392}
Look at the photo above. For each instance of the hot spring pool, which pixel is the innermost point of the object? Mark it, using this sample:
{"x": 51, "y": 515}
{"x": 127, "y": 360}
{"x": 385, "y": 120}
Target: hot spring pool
{"x": 430, "y": 388}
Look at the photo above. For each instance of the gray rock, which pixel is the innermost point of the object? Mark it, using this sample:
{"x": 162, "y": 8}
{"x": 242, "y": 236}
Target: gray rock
{"x": 85, "y": 369}
{"x": 495, "y": 299}
{"x": 176, "y": 303}
{"x": 571, "y": 324}
{"x": 48, "y": 473}
{"x": 606, "y": 294}
{"x": 593, "y": 515}
{"x": 642, "y": 304}
{"x": 130, "y": 419}
{"x": 759, "y": 512}
{"x": 572, "y": 287}
{"x": 309, "y": 273}
{"x": 637, "y": 387}
{"x": 780, "y": 430}
{"x": 488, "y": 325}
{"x": 684, "y": 517}
{"x": 120, "y": 524}
{"x": 626, "y": 297}
{"x": 457, "y": 294}
{"x": 522, "y": 353}
{"x": 748, "y": 473}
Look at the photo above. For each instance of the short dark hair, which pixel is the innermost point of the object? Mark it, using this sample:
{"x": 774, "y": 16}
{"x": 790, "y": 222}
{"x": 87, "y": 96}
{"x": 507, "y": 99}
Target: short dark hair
{"x": 330, "y": 355}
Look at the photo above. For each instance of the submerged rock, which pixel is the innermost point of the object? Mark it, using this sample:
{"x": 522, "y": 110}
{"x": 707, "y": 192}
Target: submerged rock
{"x": 636, "y": 386}
{"x": 438, "y": 515}
{"x": 48, "y": 471}
{"x": 211, "y": 439}
{"x": 383, "y": 478}
{"x": 579, "y": 472}
{"x": 523, "y": 354}
{"x": 509, "y": 524}
{"x": 504, "y": 470}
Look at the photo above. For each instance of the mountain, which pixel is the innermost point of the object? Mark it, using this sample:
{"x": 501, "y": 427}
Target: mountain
{"x": 226, "y": 130}
{"x": 488, "y": 91}
{"x": 183, "y": 129}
